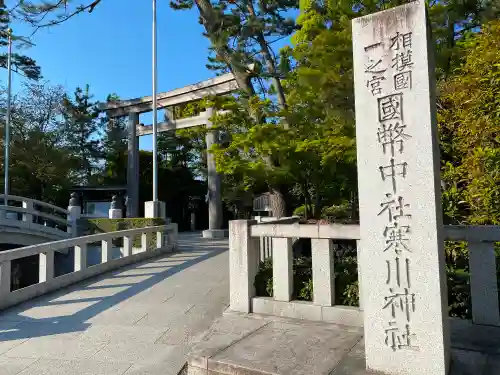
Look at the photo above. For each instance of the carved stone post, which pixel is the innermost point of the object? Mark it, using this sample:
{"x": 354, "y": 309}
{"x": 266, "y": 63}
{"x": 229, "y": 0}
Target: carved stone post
{"x": 402, "y": 261}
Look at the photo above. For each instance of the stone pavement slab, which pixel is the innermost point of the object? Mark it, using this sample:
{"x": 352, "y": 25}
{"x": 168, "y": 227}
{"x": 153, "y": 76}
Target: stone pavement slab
{"x": 141, "y": 319}
{"x": 240, "y": 344}
{"x": 81, "y": 367}
{"x": 10, "y": 367}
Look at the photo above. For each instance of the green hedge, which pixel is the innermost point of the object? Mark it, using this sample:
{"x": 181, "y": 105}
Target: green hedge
{"x": 95, "y": 226}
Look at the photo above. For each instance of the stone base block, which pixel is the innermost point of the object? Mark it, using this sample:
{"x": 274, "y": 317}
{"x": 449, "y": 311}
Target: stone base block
{"x": 215, "y": 233}
{"x": 345, "y": 315}
{"x": 114, "y": 213}
{"x": 154, "y": 209}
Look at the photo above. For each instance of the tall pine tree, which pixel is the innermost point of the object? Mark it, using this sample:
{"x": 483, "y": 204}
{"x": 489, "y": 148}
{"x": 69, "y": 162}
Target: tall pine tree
{"x": 114, "y": 148}
{"x": 82, "y": 133}
{"x": 20, "y": 63}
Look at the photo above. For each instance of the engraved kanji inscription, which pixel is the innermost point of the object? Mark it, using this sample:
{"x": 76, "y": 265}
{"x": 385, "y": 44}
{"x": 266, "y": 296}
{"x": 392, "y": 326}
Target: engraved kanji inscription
{"x": 394, "y": 207}
{"x": 403, "y": 303}
{"x": 372, "y": 46}
{"x": 392, "y": 136}
{"x": 402, "y": 81}
{"x": 396, "y": 338}
{"x": 374, "y": 66}
{"x": 402, "y": 61}
{"x": 397, "y": 238}
{"x": 374, "y": 84}
{"x": 398, "y": 272}
{"x": 401, "y": 41}
{"x": 392, "y": 171}
{"x": 390, "y": 107}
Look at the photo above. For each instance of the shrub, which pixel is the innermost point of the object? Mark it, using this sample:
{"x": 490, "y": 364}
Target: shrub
{"x": 336, "y": 213}
{"x": 301, "y": 210}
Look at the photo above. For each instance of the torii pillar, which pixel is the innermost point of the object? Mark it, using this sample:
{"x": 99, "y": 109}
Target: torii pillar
{"x": 214, "y": 187}
{"x": 133, "y": 165}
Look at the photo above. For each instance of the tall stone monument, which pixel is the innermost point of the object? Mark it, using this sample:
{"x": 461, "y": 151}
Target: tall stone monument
{"x": 405, "y": 297}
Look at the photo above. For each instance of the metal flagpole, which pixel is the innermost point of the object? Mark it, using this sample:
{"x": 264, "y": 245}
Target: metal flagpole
{"x": 7, "y": 120}
{"x": 155, "y": 129}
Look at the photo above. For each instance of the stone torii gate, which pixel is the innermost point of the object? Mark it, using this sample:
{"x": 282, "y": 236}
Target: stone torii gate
{"x": 132, "y": 108}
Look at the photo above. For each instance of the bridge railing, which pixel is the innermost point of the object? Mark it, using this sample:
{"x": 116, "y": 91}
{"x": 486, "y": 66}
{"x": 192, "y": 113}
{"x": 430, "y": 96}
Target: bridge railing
{"x": 34, "y": 213}
{"x": 244, "y": 256}
{"x": 165, "y": 239}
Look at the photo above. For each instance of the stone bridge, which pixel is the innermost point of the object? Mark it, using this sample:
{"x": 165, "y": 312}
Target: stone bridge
{"x": 25, "y": 221}
{"x": 138, "y": 313}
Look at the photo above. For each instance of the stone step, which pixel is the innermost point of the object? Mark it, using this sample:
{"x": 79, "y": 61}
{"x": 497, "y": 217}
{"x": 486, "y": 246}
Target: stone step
{"x": 250, "y": 344}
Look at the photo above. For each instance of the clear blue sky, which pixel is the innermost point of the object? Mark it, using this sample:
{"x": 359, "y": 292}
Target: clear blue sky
{"x": 110, "y": 49}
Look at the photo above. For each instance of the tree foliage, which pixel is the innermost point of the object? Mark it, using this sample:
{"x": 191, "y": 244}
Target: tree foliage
{"x": 82, "y": 131}
{"x": 468, "y": 117}
{"x": 20, "y": 63}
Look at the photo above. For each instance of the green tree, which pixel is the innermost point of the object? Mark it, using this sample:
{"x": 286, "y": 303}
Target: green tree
{"x": 114, "y": 148}
{"x": 40, "y": 166}
{"x": 470, "y": 139}
{"x": 241, "y": 34}
{"x": 20, "y": 63}
{"x": 82, "y": 132}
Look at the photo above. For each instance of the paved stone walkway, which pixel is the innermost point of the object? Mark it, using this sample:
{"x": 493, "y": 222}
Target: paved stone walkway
{"x": 142, "y": 319}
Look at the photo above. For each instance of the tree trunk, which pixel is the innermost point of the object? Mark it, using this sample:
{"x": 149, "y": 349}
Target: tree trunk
{"x": 317, "y": 203}
{"x": 271, "y": 66}
{"x": 277, "y": 202}
{"x": 241, "y": 73}
{"x": 243, "y": 79}
{"x": 307, "y": 201}
{"x": 270, "y": 63}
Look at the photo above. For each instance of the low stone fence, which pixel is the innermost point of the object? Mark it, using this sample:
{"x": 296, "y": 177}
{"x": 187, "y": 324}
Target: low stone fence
{"x": 244, "y": 257}
{"x": 166, "y": 240}
{"x": 266, "y": 243}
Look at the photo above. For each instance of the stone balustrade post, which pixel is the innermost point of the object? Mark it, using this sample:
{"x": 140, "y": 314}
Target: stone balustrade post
{"x": 80, "y": 257}
{"x": 483, "y": 283}
{"x": 323, "y": 274}
{"x": 46, "y": 266}
{"x": 243, "y": 264}
{"x": 282, "y": 269}
{"x": 160, "y": 240}
{"x": 28, "y": 205}
{"x": 127, "y": 246}
{"x": 5, "y": 277}
{"x": 173, "y": 236}
{"x": 106, "y": 250}
{"x": 144, "y": 241}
